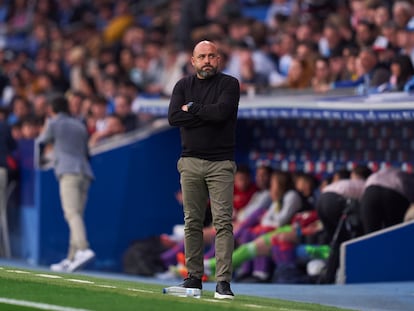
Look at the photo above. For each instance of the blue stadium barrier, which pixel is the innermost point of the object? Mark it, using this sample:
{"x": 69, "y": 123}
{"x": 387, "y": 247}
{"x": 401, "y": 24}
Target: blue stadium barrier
{"x": 383, "y": 256}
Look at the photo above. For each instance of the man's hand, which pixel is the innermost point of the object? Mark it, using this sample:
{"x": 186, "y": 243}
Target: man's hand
{"x": 186, "y": 107}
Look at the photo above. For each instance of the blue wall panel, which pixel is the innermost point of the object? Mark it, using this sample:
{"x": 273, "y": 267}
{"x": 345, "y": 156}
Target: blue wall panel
{"x": 385, "y": 256}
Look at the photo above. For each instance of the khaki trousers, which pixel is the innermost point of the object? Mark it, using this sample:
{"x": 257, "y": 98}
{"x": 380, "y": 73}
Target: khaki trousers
{"x": 73, "y": 195}
{"x": 202, "y": 180}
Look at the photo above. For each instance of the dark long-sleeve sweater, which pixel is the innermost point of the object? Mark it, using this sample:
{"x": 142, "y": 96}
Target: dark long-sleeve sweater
{"x": 208, "y": 128}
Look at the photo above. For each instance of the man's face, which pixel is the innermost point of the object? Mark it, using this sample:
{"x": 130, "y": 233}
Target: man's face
{"x": 205, "y": 60}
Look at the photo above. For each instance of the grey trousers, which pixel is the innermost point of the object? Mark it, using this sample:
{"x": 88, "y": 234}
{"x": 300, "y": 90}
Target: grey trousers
{"x": 202, "y": 180}
{"x": 73, "y": 195}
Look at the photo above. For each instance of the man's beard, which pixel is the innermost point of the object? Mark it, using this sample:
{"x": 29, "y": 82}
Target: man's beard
{"x": 207, "y": 73}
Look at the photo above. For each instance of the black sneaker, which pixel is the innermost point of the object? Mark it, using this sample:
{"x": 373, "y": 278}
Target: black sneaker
{"x": 192, "y": 282}
{"x": 223, "y": 291}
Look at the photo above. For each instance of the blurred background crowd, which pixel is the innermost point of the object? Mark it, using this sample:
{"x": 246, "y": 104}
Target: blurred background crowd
{"x": 106, "y": 55}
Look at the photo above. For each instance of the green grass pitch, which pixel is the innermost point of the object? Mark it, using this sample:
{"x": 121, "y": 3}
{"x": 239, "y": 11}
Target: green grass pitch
{"x": 22, "y": 289}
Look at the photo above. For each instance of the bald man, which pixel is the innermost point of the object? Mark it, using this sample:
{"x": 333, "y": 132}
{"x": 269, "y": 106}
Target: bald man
{"x": 204, "y": 106}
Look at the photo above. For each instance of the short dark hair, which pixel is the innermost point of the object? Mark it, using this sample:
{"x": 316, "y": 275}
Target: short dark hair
{"x": 362, "y": 171}
{"x": 244, "y": 169}
{"x": 343, "y": 173}
{"x": 59, "y": 103}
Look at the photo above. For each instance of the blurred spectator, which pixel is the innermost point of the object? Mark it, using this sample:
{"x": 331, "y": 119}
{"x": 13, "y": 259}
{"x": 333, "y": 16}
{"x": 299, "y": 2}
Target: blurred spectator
{"x": 120, "y": 21}
{"x": 384, "y": 50}
{"x": 249, "y": 77}
{"x": 337, "y": 66}
{"x": 20, "y": 108}
{"x": 192, "y": 15}
{"x": 331, "y": 40}
{"x": 154, "y": 69}
{"x": 389, "y": 31}
{"x": 282, "y": 8}
{"x": 75, "y": 101}
{"x": 113, "y": 127}
{"x": 402, "y": 11}
{"x": 375, "y": 74}
{"x": 322, "y": 77}
{"x": 122, "y": 108}
{"x": 387, "y": 196}
{"x": 359, "y": 11}
{"x": 40, "y": 106}
{"x": 408, "y": 46}
{"x": 306, "y": 184}
{"x": 19, "y": 17}
{"x": 96, "y": 120}
{"x": 306, "y": 51}
{"x": 16, "y": 130}
{"x": 30, "y": 127}
{"x": 402, "y": 71}
{"x": 244, "y": 188}
{"x": 372, "y": 75}
{"x": 58, "y": 79}
{"x": 317, "y": 9}
{"x": 173, "y": 63}
{"x": 365, "y": 33}
{"x": 382, "y": 15}
{"x": 340, "y": 174}
{"x": 285, "y": 203}
{"x": 286, "y": 51}
{"x": 261, "y": 198}
{"x": 299, "y": 75}
{"x": 332, "y": 201}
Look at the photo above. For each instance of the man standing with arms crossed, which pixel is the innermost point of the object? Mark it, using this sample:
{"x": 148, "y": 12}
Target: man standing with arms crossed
{"x": 205, "y": 106}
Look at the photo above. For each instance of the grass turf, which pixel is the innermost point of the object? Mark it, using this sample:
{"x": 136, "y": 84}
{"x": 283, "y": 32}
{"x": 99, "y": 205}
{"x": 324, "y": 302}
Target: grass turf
{"x": 92, "y": 293}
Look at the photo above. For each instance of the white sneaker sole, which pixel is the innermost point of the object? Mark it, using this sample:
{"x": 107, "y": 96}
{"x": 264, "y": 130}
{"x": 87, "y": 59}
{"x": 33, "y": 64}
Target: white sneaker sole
{"x": 78, "y": 265}
{"x": 58, "y": 269}
{"x": 220, "y": 296}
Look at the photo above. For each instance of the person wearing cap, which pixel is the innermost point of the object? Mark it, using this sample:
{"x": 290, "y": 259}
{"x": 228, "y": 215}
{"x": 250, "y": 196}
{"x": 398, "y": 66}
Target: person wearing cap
{"x": 385, "y": 51}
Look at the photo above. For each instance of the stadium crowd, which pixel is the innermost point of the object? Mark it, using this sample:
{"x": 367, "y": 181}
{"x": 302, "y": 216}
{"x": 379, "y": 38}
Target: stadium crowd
{"x": 105, "y": 56}
{"x": 97, "y": 51}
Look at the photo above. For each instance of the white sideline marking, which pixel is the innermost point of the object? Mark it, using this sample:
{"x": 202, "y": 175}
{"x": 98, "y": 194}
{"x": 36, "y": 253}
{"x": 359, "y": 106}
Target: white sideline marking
{"x": 42, "y": 306}
{"x": 253, "y": 306}
{"x": 18, "y": 271}
{"x": 50, "y": 276}
{"x": 80, "y": 281}
{"x": 215, "y": 300}
{"x": 105, "y": 286}
{"x": 140, "y": 290}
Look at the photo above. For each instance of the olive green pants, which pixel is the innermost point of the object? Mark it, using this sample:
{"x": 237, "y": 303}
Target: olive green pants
{"x": 203, "y": 180}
